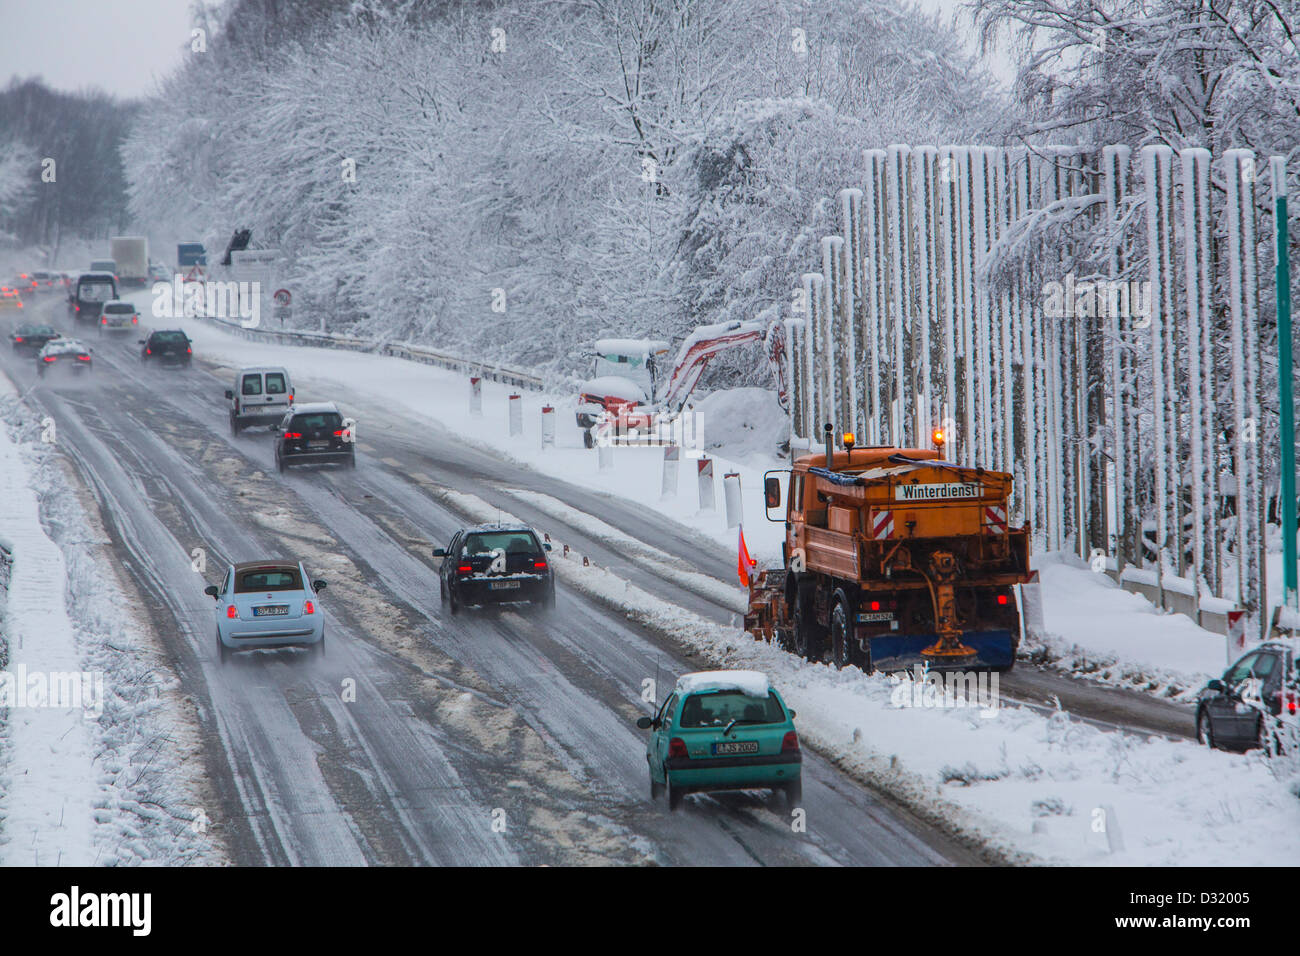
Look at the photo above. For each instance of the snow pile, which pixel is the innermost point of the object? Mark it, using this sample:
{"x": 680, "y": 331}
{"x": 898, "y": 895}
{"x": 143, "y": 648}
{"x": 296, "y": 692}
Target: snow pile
{"x": 745, "y": 425}
{"x": 121, "y": 789}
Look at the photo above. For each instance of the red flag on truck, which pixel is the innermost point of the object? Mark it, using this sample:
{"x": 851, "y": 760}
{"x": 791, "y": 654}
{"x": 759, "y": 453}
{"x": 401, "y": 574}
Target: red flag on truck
{"x": 744, "y": 561}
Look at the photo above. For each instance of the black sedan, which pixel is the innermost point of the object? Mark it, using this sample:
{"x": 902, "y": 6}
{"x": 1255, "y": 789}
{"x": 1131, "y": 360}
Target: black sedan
{"x": 167, "y": 347}
{"x": 32, "y": 338}
{"x": 495, "y": 564}
{"x": 1240, "y": 710}
{"x": 314, "y": 433}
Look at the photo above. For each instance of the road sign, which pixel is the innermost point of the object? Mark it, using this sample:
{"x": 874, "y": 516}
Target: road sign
{"x": 283, "y": 298}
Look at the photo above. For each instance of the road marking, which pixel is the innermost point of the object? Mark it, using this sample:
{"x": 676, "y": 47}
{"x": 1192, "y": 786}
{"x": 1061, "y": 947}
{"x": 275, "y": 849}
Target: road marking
{"x": 391, "y": 462}
{"x": 368, "y": 449}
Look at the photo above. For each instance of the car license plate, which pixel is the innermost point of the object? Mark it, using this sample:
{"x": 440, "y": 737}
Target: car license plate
{"x": 736, "y": 747}
{"x": 503, "y": 585}
{"x": 270, "y": 610}
{"x": 318, "y": 444}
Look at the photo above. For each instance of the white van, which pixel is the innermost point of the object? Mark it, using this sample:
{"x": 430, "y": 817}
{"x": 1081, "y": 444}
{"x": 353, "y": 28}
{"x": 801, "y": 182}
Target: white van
{"x": 261, "y": 396}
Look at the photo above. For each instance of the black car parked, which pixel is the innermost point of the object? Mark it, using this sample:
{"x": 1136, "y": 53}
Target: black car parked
{"x": 495, "y": 564}
{"x": 167, "y": 347}
{"x": 314, "y": 433}
{"x": 1239, "y": 711}
{"x": 32, "y": 338}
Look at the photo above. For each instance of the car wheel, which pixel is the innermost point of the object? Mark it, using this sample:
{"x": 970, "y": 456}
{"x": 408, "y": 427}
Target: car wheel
{"x": 841, "y": 633}
{"x": 223, "y": 652}
{"x": 442, "y": 591}
{"x": 1265, "y": 739}
{"x": 548, "y": 602}
{"x": 807, "y": 632}
{"x": 794, "y": 792}
{"x": 453, "y": 605}
{"x": 656, "y": 789}
{"x": 1204, "y": 728}
{"x": 279, "y": 463}
{"x": 675, "y": 794}
{"x": 234, "y": 426}
{"x": 319, "y": 648}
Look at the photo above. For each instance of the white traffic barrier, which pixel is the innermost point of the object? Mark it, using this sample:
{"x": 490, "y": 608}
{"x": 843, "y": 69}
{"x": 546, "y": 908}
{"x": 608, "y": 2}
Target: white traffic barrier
{"x": 516, "y": 416}
{"x": 604, "y": 455}
{"x": 548, "y": 426}
{"x": 704, "y": 468}
{"x": 476, "y": 397}
{"x": 731, "y": 496}
{"x": 672, "y": 456}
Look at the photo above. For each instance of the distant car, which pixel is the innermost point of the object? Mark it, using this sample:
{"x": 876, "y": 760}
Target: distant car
{"x": 103, "y": 265}
{"x": 261, "y": 396}
{"x": 167, "y": 347}
{"x": 1240, "y": 710}
{"x": 11, "y": 299}
{"x": 45, "y": 281}
{"x": 314, "y": 433}
{"x": 495, "y": 564}
{"x": 118, "y": 316}
{"x": 159, "y": 272}
{"x": 723, "y": 730}
{"x": 67, "y": 354}
{"x": 32, "y": 338}
{"x": 264, "y": 604}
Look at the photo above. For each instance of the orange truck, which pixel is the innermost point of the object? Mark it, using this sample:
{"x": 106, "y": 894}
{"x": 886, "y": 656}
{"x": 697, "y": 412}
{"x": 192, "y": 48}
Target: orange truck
{"x": 893, "y": 558}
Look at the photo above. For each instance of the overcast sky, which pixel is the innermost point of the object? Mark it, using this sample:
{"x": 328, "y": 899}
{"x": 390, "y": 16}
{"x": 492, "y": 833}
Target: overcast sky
{"x": 119, "y": 46}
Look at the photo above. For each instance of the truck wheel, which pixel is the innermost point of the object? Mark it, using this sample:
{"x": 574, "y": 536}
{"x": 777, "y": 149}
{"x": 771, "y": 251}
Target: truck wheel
{"x": 808, "y": 635}
{"x": 842, "y": 649}
{"x": 587, "y": 440}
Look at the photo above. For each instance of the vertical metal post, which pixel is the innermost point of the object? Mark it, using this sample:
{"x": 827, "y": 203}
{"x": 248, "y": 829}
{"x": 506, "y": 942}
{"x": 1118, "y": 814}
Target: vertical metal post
{"x": 1286, "y": 400}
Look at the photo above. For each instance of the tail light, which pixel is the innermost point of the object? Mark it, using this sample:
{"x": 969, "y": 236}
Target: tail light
{"x": 135, "y": 320}
{"x": 790, "y": 743}
{"x": 18, "y": 338}
{"x": 293, "y": 434}
{"x": 49, "y": 358}
{"x": 875, "y": 605}
{"x": 77, "y": 308}
{"x": 83, "y": 358}
{"x": 188, "y": 350}
{"x": 464, "y": 569}
{"x": 103, "y": 321}
{"x": 148, "y": 351}
{"x": 291, "y": 398}
{"x": 339, "y": 433}
{"x": 1002, "y": 599}
{"x": 231, "y": 612}
{"x": 677, "y": 748}
{"x": 539, "y": 564}
{"x": 308, "y": 607}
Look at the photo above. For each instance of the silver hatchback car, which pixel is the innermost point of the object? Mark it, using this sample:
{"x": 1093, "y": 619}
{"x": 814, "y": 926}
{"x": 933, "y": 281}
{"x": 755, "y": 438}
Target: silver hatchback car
{"x": 267, "y": 604}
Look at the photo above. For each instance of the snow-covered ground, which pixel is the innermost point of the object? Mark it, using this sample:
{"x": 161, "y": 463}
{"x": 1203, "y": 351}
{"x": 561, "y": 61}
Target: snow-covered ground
{"x": 117, "y": 778}
{"x": 1032, "y": 786}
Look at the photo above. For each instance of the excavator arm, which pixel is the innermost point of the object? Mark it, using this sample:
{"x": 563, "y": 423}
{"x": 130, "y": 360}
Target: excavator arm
{"x": 707, "y": 341}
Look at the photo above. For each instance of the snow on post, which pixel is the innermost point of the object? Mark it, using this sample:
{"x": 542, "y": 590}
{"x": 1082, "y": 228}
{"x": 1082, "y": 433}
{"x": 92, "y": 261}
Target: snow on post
{"x": 837, "y": 332}
{"x": 948, "y": 265}
{"x": 1156, "y": 161}
{"x": 1200, "y": 361}
{"x": 794, "y": 346}
{"x": 815, "y": 384}
{"x": 875, "y": 239}
{"x": 925, "y": 223}
{"x": 899, "y": 290}
{"x": 853, "y": 410}
{"x": 1115, "y": 161}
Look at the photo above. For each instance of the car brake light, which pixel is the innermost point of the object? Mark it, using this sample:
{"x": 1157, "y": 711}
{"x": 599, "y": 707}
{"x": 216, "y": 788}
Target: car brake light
{"x": 83, "y": 358}
{"x": 148, "y": 351}
{"x": 308, "y": 607}
{"x": 677, "y": 748}
{"x": 291, "y": 398}
{"x": 135, "y": 320}
{"x": 188, "y": 350}
{"x": 49, "y": 358}
{"x": 231, "y": 612}
{"x": 790, "y": 743}
{"x": 18, "y": 338}
{"x": 1002, "y": 599}
{"x": 539, "y": 564}
{"x": 338, "y": 434}
{"x": 875, "y": 605}
{"x": 103, "y": 321}
{"x": 464, "y": 569}
{"x": 293, "y": 434}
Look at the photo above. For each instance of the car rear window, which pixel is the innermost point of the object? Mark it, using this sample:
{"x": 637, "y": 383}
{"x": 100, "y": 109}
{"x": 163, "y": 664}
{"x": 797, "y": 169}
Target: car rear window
{"x": 122, "y": 309}
{"x": 275, "y": 383}
{"x": 95, "y": 291}
{"x": 511, "y": 542}
{"x": 329, "y": 420}
{"x": 268, "y": 579}
{"x": 170, "y": 338}
{"x": 252, "y": 385}
{"x": 719, "y": 708}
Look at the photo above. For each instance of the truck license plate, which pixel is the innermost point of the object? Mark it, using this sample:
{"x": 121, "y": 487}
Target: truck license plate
{"x": 871, "y": 617}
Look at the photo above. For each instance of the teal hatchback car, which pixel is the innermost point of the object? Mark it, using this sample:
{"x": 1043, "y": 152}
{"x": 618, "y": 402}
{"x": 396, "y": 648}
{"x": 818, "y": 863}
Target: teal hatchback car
{"x": 723, "y": 730}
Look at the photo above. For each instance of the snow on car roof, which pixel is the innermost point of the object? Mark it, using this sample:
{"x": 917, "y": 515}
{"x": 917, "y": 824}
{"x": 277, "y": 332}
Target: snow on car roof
{"x": 749, "y": 683}
{"x": 56, "y": 346}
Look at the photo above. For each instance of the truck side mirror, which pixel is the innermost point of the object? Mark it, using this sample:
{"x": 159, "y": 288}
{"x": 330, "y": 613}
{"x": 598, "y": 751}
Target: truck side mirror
{"x": 772, "y": 492}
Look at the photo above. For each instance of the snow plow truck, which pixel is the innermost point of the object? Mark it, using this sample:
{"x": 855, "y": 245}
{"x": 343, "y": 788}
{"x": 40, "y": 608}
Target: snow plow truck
{"x": 893, "y": 558}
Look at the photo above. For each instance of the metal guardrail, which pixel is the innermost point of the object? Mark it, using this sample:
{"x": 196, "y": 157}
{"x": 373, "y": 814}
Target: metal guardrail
{"x": 507, "y": 374}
